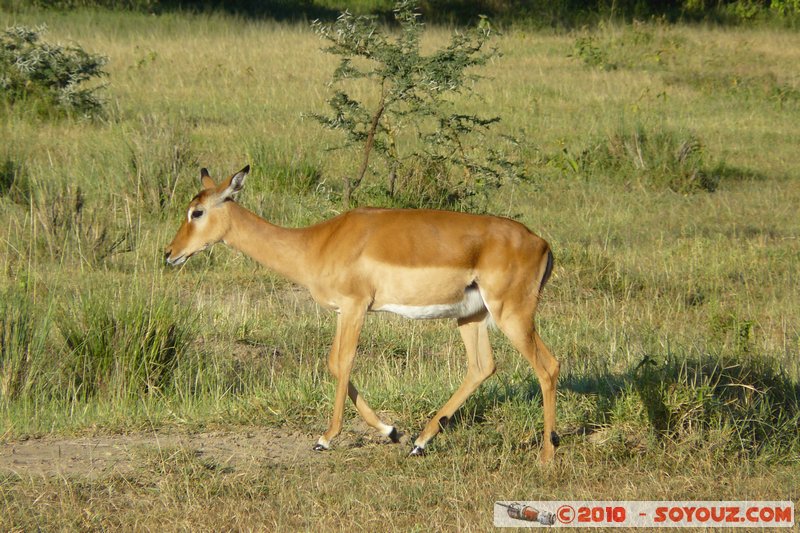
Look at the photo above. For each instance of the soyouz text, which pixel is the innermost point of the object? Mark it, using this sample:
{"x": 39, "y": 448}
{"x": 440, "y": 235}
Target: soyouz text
{"x": 644, "y": 514}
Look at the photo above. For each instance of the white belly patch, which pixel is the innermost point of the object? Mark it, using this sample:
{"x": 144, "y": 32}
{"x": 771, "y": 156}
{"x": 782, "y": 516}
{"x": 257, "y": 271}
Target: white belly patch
{"x": 470, "y": 305}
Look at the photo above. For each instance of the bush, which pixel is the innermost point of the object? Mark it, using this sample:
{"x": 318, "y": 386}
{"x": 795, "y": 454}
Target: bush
{"x": 50, "y": 76}
{"x": 431, "y": 153}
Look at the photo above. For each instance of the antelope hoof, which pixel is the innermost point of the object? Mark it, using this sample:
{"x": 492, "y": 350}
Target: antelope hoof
{"x": 320, "y": 448}
{"x": 555, "y": 439}
{"x": 394, "y": 435}
{"x": 417, "y": 451}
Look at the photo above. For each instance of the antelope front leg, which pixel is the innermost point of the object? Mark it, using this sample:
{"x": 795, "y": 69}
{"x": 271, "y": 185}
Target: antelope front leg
{"x": 340, "y": 362}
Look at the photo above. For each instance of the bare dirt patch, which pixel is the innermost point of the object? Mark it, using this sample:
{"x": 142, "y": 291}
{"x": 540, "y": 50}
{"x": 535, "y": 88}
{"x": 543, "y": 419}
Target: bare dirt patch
{"x": 99, "y": 456}
{"x": 237, "y": 448}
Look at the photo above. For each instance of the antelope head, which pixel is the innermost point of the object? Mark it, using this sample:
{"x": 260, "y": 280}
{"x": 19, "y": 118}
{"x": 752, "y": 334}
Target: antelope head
{"x": 207, "y": 219}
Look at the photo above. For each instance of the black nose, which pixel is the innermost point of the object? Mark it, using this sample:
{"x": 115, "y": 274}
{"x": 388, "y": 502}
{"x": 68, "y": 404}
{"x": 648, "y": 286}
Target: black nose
{"x": 167, "y": 254}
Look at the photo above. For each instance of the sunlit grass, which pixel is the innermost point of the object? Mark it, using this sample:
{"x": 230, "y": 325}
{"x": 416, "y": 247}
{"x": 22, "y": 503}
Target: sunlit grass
{"x": 654, "y": 288}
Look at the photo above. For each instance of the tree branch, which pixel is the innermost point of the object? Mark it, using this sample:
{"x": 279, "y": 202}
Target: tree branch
{"x": 352, "y": 185}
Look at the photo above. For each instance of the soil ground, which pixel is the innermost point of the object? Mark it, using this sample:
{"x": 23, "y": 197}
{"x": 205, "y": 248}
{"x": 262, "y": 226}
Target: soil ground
{"x": 239, "y": 448}
{"x": 99, "y": 456}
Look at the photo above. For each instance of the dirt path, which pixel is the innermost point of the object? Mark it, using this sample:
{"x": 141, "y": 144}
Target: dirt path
{"x": 98, "y": 456}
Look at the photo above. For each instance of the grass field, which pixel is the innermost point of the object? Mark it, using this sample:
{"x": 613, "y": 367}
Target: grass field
{"x": 664, "y": 173}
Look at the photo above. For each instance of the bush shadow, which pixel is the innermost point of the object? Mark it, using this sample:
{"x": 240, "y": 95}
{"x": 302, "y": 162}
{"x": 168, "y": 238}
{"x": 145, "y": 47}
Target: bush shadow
{"x": 746, "y": 397}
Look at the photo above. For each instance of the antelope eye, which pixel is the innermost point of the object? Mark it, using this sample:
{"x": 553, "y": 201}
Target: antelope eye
{"x": 197, "y": 213}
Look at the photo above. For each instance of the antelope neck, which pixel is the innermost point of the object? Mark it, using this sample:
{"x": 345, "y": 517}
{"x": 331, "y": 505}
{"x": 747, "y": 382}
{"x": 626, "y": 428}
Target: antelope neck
{"x": 283, "y": 250}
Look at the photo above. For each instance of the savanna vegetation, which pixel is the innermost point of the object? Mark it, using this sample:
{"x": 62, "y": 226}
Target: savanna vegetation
{"x": 658, "y": 159}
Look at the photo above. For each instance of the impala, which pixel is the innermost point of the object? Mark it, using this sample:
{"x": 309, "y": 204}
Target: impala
{"x": 415, "y": 263}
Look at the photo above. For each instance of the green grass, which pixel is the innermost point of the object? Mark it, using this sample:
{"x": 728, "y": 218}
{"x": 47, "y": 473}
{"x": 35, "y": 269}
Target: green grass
{"x": 672, "y": 307}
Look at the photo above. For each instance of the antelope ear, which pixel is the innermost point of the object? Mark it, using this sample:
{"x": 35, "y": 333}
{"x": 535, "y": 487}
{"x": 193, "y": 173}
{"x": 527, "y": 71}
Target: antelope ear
{"x": 234, "y": 184}
{"x": 206, "y": 180}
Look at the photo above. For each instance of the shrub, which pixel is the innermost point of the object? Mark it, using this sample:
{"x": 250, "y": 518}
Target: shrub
{"x": 51, "y": 76}
{"x": 424, "y": 143}
{"x": 592, "y": 54}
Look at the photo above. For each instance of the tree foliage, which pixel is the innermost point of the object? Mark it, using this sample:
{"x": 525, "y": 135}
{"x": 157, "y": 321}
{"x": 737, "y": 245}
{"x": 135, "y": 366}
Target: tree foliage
{"x": 49, "y": 75}
{"x": 431, "y": 152}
